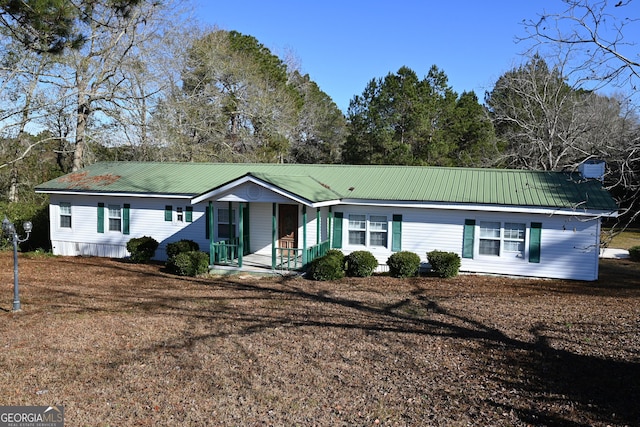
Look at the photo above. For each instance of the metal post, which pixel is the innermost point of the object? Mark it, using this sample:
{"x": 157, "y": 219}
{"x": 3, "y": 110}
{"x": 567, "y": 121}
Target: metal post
{"x": 16, "y": 290}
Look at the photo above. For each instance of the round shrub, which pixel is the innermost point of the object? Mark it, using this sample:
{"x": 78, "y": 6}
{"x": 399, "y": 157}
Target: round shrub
{"x": 189, "y": 263}
{"x": 335, "y": 253}
{"x": 328, "y": 267}
{"x": 444, "y": 264}
{"x": 403, "y": 264}
{"x": 142, "y": 249}
{"x": 360, "y": 264}
{"x": 634, "y": 253}
{"x": 175, "y": 248}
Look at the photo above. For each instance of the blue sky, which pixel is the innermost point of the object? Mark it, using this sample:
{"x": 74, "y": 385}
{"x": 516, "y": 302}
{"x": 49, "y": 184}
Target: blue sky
{"x": 342, "y": 45}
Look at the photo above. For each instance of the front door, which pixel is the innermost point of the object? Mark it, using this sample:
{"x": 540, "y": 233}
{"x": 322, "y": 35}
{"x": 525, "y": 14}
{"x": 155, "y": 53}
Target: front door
{"x": 288, "y": 227}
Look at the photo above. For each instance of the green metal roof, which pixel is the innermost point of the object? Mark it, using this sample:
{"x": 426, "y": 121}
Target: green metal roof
{"x": 321, "y": 183}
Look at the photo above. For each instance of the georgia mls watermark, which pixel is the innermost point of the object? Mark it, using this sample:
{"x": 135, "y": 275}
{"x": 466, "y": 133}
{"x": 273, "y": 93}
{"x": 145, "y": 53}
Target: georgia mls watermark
{"x": 31, "y": 416}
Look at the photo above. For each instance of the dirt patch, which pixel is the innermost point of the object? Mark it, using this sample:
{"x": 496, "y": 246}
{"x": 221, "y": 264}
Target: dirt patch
{"x": 123, "y": 344}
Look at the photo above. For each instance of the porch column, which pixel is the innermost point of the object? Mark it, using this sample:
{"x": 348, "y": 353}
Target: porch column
{"x": 330, "y": 225}
{"x": 318, "y": 228}
{"x": 241, "y": 232}
{"x": 212, "y": 239}
{"x": 273, "y": 236}
{"x": 304, "y": 235}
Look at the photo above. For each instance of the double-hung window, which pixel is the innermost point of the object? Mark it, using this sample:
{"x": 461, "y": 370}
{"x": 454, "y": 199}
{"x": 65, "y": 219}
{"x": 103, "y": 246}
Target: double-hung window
{"x": 115, "y": 218}
{"x": 496, "y": 239}
{"x": 371, "y": 231}
{"x": 65, "y": 215}
{"x": 224, "y": 221}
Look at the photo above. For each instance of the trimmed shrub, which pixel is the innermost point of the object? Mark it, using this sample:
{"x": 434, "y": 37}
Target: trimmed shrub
{"x": 189, "y": 263}
{"x": 181, "y": 246}
{"x": 360, "y": 264}
{"x": 634, "y": 253}
{"x": 335, "y": 253}
{"x": 328, "y": 267}
{"x": 403, "y": 264}
{"x": 444, "y": 264}
{"x": 142, "y": 249}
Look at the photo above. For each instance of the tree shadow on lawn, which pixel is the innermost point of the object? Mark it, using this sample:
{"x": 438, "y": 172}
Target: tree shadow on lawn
{"x": 561, "y": 386}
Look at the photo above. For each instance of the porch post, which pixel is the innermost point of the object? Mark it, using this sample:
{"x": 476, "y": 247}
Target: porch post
{"x": 273, "y": 236}
{"x": 212, "y": 236}
{"x": 318, "y": 229}
{"x": 231, "y": 218}
{"x": 304, "y": 235}
{"x": 241, "y": 232}
{"x": 330, "y": 225}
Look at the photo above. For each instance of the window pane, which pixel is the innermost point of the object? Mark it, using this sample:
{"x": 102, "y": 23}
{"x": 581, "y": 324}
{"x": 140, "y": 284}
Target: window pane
{"x": 356, "y": 237}
{"x": 513, "y": 246}
{"x": 114, "y": 224}
{"x": 357, "y": 222}
{"x": 378, "y": 223}
{"x": 489, "y": 247}
{"x": 514, "y": 231}
{"x": 490, "y": 229}
{"x": 223, "y": 216}
{"x": 378, "y": 239}
{"x": 65, "y": 221}
{"x": 65, "y": 208}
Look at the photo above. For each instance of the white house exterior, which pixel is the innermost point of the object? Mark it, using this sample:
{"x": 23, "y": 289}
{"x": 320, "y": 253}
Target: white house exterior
{"x": 542, "y": 224}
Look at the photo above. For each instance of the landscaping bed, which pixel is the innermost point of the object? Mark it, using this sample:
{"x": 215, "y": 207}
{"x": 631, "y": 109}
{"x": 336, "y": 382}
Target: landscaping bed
{"x": 121, "y": 344}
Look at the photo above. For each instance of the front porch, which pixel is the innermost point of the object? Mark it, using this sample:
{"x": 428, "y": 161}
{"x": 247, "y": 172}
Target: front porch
{"x": 285, "y": 253}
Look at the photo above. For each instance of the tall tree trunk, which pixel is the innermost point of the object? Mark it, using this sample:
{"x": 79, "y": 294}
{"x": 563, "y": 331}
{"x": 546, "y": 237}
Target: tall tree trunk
{"x": 81, "y": 127}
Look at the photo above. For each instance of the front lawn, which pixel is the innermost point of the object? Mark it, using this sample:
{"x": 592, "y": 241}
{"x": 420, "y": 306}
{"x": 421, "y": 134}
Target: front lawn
{"x": 122, "y": 345}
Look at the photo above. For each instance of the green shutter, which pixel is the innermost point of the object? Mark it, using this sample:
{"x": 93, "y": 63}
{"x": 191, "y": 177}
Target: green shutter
{"x": 396, "y": 233}
{"x": 534, "y": 241}
{"x": 125, "y": 218}
{"x": 337, "y": 231}
{"x": 207, "y": 221}
{"x": 467, "y": 238}
{"x": 168, "y": 213}
{"x": 188, "y": 216}
{"x": 100, "y": 217}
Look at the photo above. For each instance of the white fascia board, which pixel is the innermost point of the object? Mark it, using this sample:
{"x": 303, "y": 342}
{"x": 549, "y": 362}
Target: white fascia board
{"x": 482, "y": 208}
{"x": 254, "y": 180}
{"x": 108, "y": 194}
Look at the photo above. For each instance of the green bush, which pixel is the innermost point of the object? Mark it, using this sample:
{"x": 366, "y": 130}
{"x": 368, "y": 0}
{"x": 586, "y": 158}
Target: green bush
{"x": 181, "y": 246}
{"x": 360, "y": 264}
{"x": 335, "y": 253}
{"x": 444, "y": 264}
{"x": 328, "y": 267}
{"x": 142, "y": 249}
{"x": 634, "y": 253}
{"x": 38, "y": 214}
{"x": 189, "y": 263}
{"x": 403, "y": 264}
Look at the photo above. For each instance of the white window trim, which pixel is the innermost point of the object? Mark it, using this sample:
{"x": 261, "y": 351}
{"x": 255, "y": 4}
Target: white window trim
{"x": 367, "y": 231}
{"x": 109, "y": 218}
{"x": 503, "y": 253}
{"x": 60, "y": 214}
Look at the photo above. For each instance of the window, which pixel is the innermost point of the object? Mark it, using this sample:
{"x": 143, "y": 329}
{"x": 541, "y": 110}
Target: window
{"x": 489, "y": 238}
{"x": 179, "y": 214}
{"x": 357, "y": 229}
{"x": 115, "y": 218}
{"x": 495, "y": 239}
{"x": 65, "y": 215}
{"x": 377, "y": 228}
{"x": 514, "y": 237}
{"x": 223, "y": 222}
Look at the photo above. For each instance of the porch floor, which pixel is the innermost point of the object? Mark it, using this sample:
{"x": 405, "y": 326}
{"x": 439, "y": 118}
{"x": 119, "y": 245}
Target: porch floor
{"x": 252, "y": 264}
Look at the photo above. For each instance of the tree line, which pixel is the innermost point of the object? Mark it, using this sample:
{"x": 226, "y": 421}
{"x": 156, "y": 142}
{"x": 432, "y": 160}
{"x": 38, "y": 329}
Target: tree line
{"x": 96, "y": 80}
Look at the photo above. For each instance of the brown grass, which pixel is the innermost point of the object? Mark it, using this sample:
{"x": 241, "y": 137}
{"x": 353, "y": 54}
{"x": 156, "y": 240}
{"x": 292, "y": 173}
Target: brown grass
{"x": 124, "y": 345}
